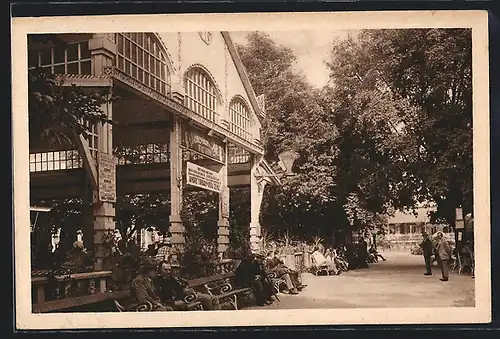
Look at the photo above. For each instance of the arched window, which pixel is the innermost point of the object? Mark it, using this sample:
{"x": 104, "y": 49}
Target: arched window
{"x": 240, "y": 118}
{"x": 73, "y": 58}
{"x": 201, "y": 94}
{"x": 140, "y": 56}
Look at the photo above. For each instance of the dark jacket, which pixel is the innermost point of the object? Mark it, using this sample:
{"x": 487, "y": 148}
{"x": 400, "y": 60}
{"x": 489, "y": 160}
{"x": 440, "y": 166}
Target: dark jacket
{"x": 247, "y": 270}
{"x": 170, "y": 288}
{"x": 427, "y": 247}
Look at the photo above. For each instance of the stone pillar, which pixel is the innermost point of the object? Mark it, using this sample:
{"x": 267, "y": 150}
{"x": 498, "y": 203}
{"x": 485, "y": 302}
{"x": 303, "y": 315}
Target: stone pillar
{"x": 176, "y": 227}
{"x": 257, "y": 185}
{"x": 223, "y": 223}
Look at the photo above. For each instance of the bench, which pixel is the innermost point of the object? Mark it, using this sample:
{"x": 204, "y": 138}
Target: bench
{"x": 221, "y": 287}
{"x": 315, "y": 268}
{"x": 146, "y": 306}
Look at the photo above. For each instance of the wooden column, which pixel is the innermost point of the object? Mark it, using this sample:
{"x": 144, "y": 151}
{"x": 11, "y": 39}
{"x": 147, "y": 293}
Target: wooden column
{"x": 177, "y": 229}
{"x": 103, "y": 211}
{"x": 103, "y": 49}
{"x": 257, "y": 185}
{"x": 223, "y": 223}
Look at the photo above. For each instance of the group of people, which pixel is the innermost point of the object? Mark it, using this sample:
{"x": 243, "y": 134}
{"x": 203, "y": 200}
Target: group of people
{"x": 442, "y": 252}
{"x": 166, "y": 291}
{"x": 346, "y": 257}
{"x": 158, "y": 284}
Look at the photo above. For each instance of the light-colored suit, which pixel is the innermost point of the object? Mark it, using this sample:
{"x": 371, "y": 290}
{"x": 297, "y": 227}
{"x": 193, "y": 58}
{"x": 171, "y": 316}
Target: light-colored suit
{"x": 444, "y": 255}
{"x": 444, "y": 250}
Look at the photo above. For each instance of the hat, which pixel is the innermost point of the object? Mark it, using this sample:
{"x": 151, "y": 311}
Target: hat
{"x": 148, "y": 263}
{"x": 78, "y": 244}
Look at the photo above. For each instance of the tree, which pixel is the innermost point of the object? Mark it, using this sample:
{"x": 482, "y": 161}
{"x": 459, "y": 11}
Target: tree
{"x": 294, "y": 120}
{"x": 432, "y": 70}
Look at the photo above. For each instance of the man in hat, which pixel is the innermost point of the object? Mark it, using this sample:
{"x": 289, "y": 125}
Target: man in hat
{"x": 444, "y": 254}
{"x": 173, "y": 289}
{"x": 427, "y": 249}
{"x": 142, "y": 288}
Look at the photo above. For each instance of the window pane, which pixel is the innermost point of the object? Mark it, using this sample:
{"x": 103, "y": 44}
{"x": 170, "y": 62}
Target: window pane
{"x": 158, "y": 84}
{"x": 33, "y": 59}
{"x": 120, "y": 44}
{"x": 85, "y": 68}
{"x": 140, "y": 75}
{"x": 73, "y": 52}
{"x": 127, "y": 48}
{"x": 59, "y": 55}
{"x": 162, "y": 72}
{"x": 158, "y": 68}
{"x": 127, "y": 66}
{"x": 45, "y": 58}
{"x": 139, "y": 58}
{"x": 73, "y": 68}
{"x": 59, "y": 69}
{"x": 32, "y": 167}
{"x": 84, "y": 50}
{"x": 120, "y": 63}
{"x": 134, "y": 53}
{"x": 134, "y": 71}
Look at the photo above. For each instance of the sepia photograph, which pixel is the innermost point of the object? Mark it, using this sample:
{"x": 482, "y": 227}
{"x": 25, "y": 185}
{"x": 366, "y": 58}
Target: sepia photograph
{"x": 233, "y": 174}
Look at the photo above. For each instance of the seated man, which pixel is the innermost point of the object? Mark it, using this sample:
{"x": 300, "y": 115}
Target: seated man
{"x": 172, "y": 290}
{"x": 250, "y": 273}
{"x": 321, "y": 260}
{"x": 142, "y": 289}
{"x": 292, "y": 278}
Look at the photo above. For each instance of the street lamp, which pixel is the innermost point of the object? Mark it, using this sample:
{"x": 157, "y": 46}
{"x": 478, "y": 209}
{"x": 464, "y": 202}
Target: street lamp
{"x": 287, "y": 159}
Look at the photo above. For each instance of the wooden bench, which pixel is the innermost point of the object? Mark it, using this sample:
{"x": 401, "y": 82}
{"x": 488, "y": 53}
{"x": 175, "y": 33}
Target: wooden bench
{"x": 315, "y": 268}
{"x": 221, "y": 287}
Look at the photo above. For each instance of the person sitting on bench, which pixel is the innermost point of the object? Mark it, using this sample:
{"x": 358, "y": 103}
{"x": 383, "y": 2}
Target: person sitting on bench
{"x": 321, "y": 260}
{"x": 142, "y": 289}
{"x": 292, "y": 278}
{"x": 172, "y": 290}
{"x": 250, "y": 273}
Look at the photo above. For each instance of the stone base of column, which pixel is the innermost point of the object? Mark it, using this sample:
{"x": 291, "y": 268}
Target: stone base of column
{"x": 104, "y": 222}
{"x": 255, "y": 241}
{"x": 223, "y": 237}
{"x": 177, "y": 232}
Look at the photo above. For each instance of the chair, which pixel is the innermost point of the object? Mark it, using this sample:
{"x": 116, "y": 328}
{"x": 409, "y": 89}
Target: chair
{"x": 319, "y": 268}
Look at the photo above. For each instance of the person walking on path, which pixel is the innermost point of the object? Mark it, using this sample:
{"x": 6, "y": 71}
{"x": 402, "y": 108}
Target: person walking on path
{"x": 427, "y": 249}
{"x": 444, "y": 253}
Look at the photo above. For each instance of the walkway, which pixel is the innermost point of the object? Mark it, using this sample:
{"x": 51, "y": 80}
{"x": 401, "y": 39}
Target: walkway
{"x": 397, "y": 282}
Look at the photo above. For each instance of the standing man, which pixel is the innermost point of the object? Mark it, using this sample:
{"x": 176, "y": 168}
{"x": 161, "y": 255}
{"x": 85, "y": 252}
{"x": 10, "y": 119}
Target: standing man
{"x": 427, "y": 249}
{"x": 444, "y": 253}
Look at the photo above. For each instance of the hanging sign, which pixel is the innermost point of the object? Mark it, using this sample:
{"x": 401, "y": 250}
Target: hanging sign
{"x": 203, "y": 177}
{"x": 198, "y": 141}
{"x": 106, "y": 171}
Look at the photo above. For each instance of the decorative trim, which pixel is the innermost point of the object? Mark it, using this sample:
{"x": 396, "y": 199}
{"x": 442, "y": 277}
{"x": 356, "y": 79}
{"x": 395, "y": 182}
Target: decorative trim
{"x": 182, "y": 110}
{"x": 206, "y": 37}
{"x": 86, "y": 80}
{"x": 243, "y": 75}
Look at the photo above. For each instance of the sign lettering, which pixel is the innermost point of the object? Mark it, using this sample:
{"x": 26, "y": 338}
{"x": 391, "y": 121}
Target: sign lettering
{"x": 106, "y": 166}
{"x": 203, "y": 177}
{"x": 199, "y": 142}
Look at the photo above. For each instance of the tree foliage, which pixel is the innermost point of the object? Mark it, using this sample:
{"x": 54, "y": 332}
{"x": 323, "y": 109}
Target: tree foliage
{"x": 56, "y": 111}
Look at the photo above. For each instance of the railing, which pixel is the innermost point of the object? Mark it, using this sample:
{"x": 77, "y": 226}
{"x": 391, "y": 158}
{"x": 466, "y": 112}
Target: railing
{"x": 65, "y": 291}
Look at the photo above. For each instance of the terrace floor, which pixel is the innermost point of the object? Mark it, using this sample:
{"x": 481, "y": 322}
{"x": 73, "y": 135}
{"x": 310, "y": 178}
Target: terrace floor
{"x": 397, "y": 282}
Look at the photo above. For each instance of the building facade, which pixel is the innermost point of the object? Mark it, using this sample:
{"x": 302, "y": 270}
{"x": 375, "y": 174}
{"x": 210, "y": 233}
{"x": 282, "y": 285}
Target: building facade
{"x": 184, "y": 117}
